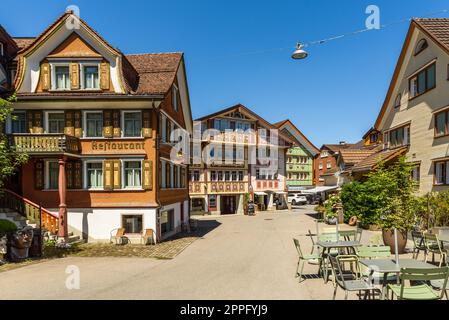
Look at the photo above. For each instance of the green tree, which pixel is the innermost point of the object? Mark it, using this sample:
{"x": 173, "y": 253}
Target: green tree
{"x": 10, "y": 160}
{"x": 386, "y": 197}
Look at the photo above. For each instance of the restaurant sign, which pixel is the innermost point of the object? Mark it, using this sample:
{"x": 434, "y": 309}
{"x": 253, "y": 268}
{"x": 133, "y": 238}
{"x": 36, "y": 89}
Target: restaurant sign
{"x": 117, "y": 147}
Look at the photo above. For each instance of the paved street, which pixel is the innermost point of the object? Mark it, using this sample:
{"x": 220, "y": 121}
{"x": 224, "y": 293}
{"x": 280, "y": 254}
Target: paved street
{"x": 241, "y": 258}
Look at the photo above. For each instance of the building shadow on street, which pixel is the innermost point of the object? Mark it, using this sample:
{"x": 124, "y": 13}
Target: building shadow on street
{"x": 199, "y": 230}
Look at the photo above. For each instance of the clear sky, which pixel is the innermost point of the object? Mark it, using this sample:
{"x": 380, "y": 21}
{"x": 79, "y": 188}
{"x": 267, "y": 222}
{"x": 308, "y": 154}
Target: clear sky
{"x": 233, "y": 51}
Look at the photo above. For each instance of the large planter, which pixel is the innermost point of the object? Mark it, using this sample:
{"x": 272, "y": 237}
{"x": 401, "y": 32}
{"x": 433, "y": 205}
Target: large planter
{"x": 388, "y": 237}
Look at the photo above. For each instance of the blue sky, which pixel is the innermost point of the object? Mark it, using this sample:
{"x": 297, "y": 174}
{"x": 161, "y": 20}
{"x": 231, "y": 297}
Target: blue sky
{"x": 239, "y": 52}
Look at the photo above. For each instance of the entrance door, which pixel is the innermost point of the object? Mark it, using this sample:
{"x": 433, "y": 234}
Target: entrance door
{"x": 228, "y": 205}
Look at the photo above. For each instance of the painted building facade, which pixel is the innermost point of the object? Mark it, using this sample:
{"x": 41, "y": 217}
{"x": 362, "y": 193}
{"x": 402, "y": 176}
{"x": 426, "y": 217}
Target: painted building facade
{"x": 220, "y": 187}
{"x": 96, "y": 124}
{"x": 414, "y": 117}
{"x": 300, "y": 158}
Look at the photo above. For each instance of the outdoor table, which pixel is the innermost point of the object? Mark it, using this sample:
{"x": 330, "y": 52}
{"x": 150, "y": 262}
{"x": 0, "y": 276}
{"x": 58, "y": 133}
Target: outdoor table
{"x": 387, "y": 266}
{"x": 328, "y": 246}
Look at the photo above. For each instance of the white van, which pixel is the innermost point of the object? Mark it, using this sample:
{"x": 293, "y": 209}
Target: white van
{"x": 297, "y": 199}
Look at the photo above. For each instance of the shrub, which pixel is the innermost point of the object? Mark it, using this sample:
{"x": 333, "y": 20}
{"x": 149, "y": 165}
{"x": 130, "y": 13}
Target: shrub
{"x": 7, "y": 226}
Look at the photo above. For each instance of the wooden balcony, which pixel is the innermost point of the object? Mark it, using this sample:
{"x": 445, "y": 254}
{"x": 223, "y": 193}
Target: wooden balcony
{"x": 35, "y": 144}
{"x": 218, "y": 187}
{"x": 228, "y": 187}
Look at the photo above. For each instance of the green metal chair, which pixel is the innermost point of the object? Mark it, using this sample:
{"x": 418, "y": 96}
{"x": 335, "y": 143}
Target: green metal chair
{"x": 302, "y": 258}
{"x": 375, "y": 252}
{"x": 348, "y": 235}
{"x": 350, "y": 280}
{"x": 418, "y": 244}
{"x": 434, "y": 246}
{"x": 422, "y": 291}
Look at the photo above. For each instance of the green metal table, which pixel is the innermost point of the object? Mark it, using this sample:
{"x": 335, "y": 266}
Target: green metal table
{"x": 386, "y": 266}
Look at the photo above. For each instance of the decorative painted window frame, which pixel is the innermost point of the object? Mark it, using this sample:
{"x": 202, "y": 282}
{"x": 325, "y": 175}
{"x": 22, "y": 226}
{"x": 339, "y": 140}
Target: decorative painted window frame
{"x": 122, "y": 165}
{"x": 84, "y": 113}
{"x": 46, "y": 113}
{"x": 47, "y": 174}
{"x": 81, "y": 73}
{"x": 53, "y": 65}
{"x": 85, "y": 162}
{"x": 122, "y": 122}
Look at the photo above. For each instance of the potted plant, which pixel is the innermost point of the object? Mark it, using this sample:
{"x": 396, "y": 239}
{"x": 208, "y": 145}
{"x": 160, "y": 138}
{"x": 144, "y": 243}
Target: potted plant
{"x": 330, "y": 205}
{"x": 399, "y": 204}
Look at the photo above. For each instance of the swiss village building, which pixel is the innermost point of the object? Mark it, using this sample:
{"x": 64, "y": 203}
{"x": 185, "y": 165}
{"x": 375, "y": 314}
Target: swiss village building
{"x": 223, "y": 187}
{"x": 96, "y": 125}
{"x": 99, "y": 129}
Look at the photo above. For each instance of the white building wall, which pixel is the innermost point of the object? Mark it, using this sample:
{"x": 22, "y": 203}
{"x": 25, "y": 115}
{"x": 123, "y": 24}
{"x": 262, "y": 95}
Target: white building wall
{"x": 97, "y": 224}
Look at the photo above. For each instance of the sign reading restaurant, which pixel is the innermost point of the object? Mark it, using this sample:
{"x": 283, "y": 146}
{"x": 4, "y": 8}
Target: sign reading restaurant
{"x": 115, "y": 146}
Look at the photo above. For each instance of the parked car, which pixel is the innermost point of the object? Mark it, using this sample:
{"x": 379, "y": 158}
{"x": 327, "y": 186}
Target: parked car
{"x": 297, "y": 199}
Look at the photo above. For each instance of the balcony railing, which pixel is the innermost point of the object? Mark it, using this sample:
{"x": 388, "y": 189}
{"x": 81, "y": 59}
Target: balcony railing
{"x": 45, "y": 143}
{"x": 197, "y": 187}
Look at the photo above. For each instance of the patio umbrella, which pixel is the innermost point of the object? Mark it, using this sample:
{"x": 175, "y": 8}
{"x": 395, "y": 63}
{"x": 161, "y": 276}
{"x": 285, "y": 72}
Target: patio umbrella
{"x": 396, "y": 249}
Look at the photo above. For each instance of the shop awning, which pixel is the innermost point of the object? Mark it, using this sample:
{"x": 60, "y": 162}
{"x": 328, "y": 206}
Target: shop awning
{"x": 320, "y": 189}
{"x": 259, "y": 193}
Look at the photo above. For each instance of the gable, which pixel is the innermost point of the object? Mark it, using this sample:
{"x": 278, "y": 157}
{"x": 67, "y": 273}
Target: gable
{"x": 61, "y": 39}
{"x": 297, "y": 136}
{"x": 409, "y": 64}
{"x": 74, "y": 47}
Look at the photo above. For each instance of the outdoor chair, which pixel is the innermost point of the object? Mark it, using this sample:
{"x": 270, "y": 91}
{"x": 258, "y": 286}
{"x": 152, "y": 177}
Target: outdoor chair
{"x": 350, "y": 280}
{"x": 434, "y": 246}
{"x": 348, "y": 235}
{"x": 148, "y": 236}
{"x": 302, "y": 258}
{"x": 418, "y": 244}
{"x": 421, "y": 291}
{"x": 375, "y": 252}
{"x": 117, "y": 235}
{"x": 310, "y": 234}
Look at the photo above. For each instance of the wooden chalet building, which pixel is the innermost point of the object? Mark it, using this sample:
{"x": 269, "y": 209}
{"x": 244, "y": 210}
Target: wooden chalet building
{"x": 96, "y": 124}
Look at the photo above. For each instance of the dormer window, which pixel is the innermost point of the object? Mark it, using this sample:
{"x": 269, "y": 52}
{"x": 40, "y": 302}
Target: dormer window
{"x": 91, "y": 78}
{"x": 421, "y": 46}
{"x": 62, "y": 75}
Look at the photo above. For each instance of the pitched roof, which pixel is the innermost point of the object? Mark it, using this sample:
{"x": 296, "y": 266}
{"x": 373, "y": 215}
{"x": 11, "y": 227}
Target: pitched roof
{"x": 241, "y": 108}
{"x": 438, "y": 30}
{"x": 285, "y": 123}
{"x": 354, "y": 156}
{"x": 156, "y": 71}
{"x": 336, "y": 147}
{"x": 23, "y": 42}
{"x": 371, "y": 162}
